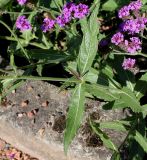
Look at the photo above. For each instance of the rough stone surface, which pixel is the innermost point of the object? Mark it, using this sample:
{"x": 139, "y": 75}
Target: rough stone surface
{"x": 33, "y": 120}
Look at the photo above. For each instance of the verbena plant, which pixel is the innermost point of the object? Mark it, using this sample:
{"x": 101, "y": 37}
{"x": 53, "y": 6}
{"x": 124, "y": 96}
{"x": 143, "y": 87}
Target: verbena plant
{"x": 107, "y": 72}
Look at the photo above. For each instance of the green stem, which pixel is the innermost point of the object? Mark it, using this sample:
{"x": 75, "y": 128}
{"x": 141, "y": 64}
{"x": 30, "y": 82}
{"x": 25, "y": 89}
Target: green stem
{"x": 25, "y": 53}
{"x": 20, "y": 39}
{"x": 126, "y": 138}
{"x": 57, "y": 5}
{"x": 136, "y": 54}
{"x": 144, "y": 55}
{"x": 5, "y": 71}
{"x": 40, "y": 78}
{"x": 7, "y": 12}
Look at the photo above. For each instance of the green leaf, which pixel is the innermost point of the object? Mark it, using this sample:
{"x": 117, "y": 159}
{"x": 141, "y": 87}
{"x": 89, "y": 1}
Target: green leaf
{"x": 102, "y": 92}
{"x": 116, "y": 125}
{"x": 3, "y": 3}
{"x": 50, "y": 55}
{"x": 126, "y": 78}
{"x": 75, "y": 114}
{"x": 141, "y": 86}
{"x": 110, "y": 5}
{"x": 144, "y": 110}
{"x": 128, "y": 97}
{"x": 39, "y": 68}
{"x": 144, "y": 1}
{"x": 141, "y": 140}
{"x": 116, "y": 104}
{"x": 28, "y": 35}
{"x": 91, "y": 76}
{"x": 106, "y": 140}
{"x": 88, "y": 48}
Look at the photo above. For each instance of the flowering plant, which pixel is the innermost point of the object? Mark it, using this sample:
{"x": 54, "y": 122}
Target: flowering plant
{"x": 98, "y": 64}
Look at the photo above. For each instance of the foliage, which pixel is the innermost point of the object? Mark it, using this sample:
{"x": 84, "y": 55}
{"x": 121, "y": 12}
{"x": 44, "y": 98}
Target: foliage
{"x": 84, "y": 46}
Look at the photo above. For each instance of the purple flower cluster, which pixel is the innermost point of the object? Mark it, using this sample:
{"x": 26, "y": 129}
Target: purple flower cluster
{"x": 47, "y": 24}
{"x": 117, "y": 38}
{"x": 132, "y": 45}
{"x": 69, "y": 12}
{"x": 133, "y": 24}
{"x": 128, "y": 63}
{"x": 133, "y": 6}
{"x": 80, "y": 11}
{"x": 21, "y": 2}
{"x": 124, "y": 12}
{"x": 23, "y": 24}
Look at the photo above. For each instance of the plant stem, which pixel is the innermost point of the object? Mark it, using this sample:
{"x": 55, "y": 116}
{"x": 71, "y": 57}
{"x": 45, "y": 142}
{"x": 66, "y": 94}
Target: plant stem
{"x": 126, "y": 138}
{"x": 40, "y": 78}
{"x": 136, "y": 54}
{"x": 20, "y": 39}
{"x": 7, "y": 12}
{"x": 25, "y": 53}
{"x": 57, "y": 5}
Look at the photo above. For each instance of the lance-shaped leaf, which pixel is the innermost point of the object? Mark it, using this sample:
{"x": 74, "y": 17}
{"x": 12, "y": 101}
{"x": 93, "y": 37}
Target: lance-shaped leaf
{"x": 102, "y": 92}
{"x": 141, "y": 86}
{"x": 116, "y": 125}
{"x": 75, "y": 114}
{"x": 89, "y": 44}
{"x": 141, "y": 140}
{"x": 3, "y": 3}
{"x": 115, "y": 104}
{"x": 128, "y": 97}
{"x": 104, "y": 137}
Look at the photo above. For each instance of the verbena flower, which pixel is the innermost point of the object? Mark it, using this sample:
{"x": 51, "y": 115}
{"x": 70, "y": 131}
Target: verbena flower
{"x": 133, "y": 26}
{"x": 117, "y": 38}
{"x": 136, "y": 5}
{"x": 71, "y": 11}
{"x": 61, "y": 20}
{"x": 69, "y": 7}
{"x": 80, "y": 11}
{"x": 124, "y": 12}
{"x": 47, "y": 24}
{"x": 21, "y": 2}
{"x": 136, "y": 42}
{"x": 23, "y": 24}
{"x": 128, "y": 63}
{"x": 68, "y": 11}
{"x": 133, "y": 45}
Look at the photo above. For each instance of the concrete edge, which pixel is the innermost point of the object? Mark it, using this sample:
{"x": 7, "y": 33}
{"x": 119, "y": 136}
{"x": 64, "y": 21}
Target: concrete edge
{"x": 31, "y": 145}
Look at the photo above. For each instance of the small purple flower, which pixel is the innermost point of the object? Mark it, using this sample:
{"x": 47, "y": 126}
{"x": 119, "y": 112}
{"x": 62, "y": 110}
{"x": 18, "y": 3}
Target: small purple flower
{"x": 47, "y": 24}
{"x": 134, "y": 45}
{"x": 69, "y": 7}
{"x": 80, "y": 11}
{"x": 21, "y": 2}
{"x": 61, "y": 20}
{"x": 117, "y": 38}
{"x": 135, "y": 5}
{"x": 23, "y": 24}
{"x": 131, "y": 48}
{"x": 140, "y": 22}
{"x": 136, "y": 42}
{"x": 68, "y": 11}
{"x": 131, "y": 26}
{"x": 128, "y": 63}
{"x": 123, "y": 12}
